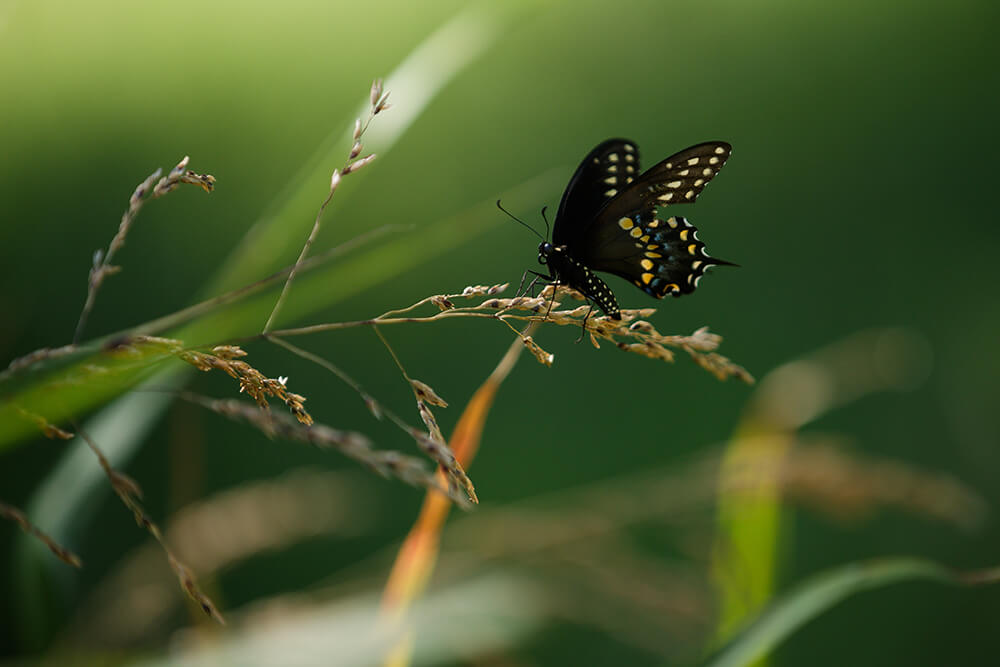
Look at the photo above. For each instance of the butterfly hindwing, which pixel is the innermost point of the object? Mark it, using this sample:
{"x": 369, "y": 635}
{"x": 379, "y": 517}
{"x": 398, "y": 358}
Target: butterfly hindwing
{"x": 606, "y": 171}
{"x": 659, "y": 256}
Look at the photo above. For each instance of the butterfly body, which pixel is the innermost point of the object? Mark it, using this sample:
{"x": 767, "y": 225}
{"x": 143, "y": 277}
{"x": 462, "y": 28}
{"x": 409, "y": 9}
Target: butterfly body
{"x": 567, "y": 270}
{"x": 608, "y": 221}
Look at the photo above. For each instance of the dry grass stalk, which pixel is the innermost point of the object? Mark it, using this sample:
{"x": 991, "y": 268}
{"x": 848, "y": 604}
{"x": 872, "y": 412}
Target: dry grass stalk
{"x": 632, "y": 333}
{"x": 433, "y": 443}
{"x": 102, "y": 267}
{"x": 353, "y": 164}
{"x": 134, "y": 604}
{"x": 424, "y": 440}
{"x": 18, "y": 517}
{"x": 130, "y": 493}
{"x": 354, "y": 445}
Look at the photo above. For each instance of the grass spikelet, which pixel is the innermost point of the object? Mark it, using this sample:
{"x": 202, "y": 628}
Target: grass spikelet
{"x": 254, "y": 383}
{"x": 543, "y": 357}
{"x": 17, "y": 516}
{"x": 426, "y": 394}
{"x": 130, "y": 493}
{"x": 353, "y": 164}
{"x": 102, "y": 267}
{"x": 433, "y": 443}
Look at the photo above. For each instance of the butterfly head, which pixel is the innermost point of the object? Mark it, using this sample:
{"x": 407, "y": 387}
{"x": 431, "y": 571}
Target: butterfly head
{"x": 544, "y": 250}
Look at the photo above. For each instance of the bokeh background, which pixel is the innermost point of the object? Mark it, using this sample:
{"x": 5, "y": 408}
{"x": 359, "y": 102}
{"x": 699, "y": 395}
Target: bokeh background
{"x": 859, "y": 202}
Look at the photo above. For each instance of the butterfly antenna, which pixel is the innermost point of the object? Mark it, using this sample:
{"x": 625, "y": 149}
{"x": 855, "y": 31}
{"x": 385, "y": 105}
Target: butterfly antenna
{"x": 517, "y": 219}
{"x": 544, "y": 208}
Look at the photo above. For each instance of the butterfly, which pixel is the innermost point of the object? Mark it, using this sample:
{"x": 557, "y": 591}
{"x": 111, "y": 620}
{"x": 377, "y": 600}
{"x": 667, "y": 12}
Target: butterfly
{"x": 608, "y": 221}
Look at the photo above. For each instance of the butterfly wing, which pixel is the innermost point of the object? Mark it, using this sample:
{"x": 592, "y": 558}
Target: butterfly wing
{"x": 677, "y": 180}
{"x": 606, "y": 171}
{"x": 628, "y": 239}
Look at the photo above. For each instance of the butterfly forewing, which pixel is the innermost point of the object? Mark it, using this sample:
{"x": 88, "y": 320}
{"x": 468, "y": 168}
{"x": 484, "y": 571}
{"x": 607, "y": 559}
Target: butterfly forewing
{"x": 608, "y": 170}
{"x": 677, "y": 180}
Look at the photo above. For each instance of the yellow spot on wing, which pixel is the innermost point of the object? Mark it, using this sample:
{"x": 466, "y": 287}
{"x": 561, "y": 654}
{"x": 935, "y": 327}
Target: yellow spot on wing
{"x": 610, "y": 180}
{"x": 646, "y": 277}
{"x": 692, "y": 248}
{"x": 720, "y": 150}
{"x": 654, "y": 255}
{"x": 653, "y": 224}
{"x": 646, "y": 264}
{"x": 645, "y": 238}
{"x": 610, "y": 193}
{"x": 613, "y": 157}
{"x": 706, "y": 171}
{"x": 636, "y": 232}
{"x": 693, "y": 161}
{"x": 674, "y": 184}
{"x": 695, "y": 264}
{"x": 684, "y": 234}
{"x": 666, "y": 197}
{"x": 626, "y": 224}
{"x": 672, "y": 222}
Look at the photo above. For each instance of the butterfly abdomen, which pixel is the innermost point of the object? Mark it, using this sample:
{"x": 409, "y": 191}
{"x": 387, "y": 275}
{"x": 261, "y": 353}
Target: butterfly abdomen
{"x": 569, "y": 271}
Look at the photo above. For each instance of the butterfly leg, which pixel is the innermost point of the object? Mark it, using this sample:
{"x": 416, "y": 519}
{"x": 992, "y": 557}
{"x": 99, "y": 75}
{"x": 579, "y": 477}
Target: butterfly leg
{"x": 538, "y": 276}
{"x": 520, "y": 288}
{"x": 531, "y": 287}
{"x": 585, "y": 318}
{"x": 521, "y": 291}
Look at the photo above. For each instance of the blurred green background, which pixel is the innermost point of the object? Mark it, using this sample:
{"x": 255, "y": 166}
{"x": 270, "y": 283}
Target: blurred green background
{"x": 860, "y": 195}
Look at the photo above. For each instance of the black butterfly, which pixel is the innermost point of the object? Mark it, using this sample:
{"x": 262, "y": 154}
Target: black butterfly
{"x": 607, "y": 221}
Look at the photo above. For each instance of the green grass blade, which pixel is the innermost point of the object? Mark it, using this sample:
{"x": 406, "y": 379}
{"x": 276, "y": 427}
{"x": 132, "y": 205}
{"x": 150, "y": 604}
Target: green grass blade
{"x": 814, "y": 596}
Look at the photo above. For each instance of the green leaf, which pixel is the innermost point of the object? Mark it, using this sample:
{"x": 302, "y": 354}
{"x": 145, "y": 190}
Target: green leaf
{"x": 819, "y": 593}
